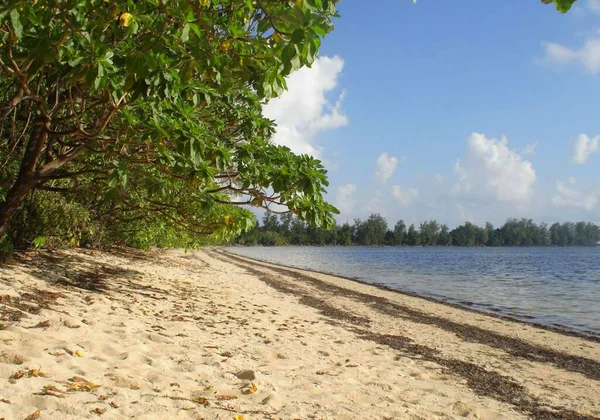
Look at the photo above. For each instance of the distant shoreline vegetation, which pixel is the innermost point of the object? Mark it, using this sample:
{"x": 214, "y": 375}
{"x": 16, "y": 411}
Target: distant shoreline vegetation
{"x": 288, "y": 230}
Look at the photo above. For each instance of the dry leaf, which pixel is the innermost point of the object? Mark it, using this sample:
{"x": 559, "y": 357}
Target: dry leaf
{"x": 77, "y": 383}
{"x": 78, "y": 353}
{"x": 250, "y": 390}
{"x": 114, "y": 404}
{"x": 34, "y": 415}
{"x": 199, "y": 400}
{"x": 51, "y": 391}
{"x": 226, "y": 397}
{"x": 98, "y": 411}
{"x": 31, "y": 373}
{"x": 43, "y": 324}
{"x": 5, "y": 401}
{"x": 239, "y": 417}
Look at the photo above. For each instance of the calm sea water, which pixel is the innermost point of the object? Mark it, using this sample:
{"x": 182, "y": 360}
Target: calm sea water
{"x": 552, "y": 286}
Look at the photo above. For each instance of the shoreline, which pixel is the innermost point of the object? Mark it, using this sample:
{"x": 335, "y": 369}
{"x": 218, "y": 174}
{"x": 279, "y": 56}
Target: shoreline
{"x": 207, "y": 334}
{"x": 561, "y": 329}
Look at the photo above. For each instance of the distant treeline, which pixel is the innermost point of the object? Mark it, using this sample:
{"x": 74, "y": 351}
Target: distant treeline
{"x": 288, "y": 230}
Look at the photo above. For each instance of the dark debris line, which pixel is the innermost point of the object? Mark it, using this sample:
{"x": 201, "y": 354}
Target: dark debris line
{"x": 481, "y": 381}
{"x": 469, "y": 333}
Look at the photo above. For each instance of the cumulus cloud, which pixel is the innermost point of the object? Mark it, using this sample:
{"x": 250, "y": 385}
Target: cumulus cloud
{"x": 386, "y": 166}
{"x": 530, "y": 149}
{"x": 346, "y": 200}
{"x": 405, "y": 197}
{"x": 304, "y": 110}
{"x": 567, "y": 195}
{"x": 583, "y": 147}
{"x": 492, "y": 168}
{"x": 463, "y": 215}
{"x": 558, "y": 55}
{"x": 374, "y": 205}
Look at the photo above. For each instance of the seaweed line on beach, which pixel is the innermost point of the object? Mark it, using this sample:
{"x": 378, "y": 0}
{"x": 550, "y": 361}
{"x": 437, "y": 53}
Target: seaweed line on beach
{"x": 481, "y": 381}
{"x": 513, "y": 346}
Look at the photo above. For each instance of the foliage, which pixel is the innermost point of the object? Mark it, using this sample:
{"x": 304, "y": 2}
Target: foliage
{"x": 140, "y": 122}
{"x": 151, "y": 111}
{"x": 374, "y": 231}
{"x": 562, "y": 6}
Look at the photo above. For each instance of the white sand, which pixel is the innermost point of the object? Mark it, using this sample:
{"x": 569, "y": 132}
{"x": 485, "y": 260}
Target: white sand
{"x": 174, "y": 335}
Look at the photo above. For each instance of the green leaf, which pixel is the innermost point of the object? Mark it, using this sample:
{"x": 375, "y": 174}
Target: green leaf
{"x": 16, "y": 23}
{"x": 298, "y": 36}
{"x": 185, "y": 33}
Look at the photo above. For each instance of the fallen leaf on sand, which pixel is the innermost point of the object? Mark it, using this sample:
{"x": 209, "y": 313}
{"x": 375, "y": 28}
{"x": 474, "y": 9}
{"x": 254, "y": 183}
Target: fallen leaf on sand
{"x": 43, "y": 324}
{"x": 239, "y": 417}
{"x": 226, "y": 397}
{"x": 5, "y": 401}
{"x": 34, "y": 415}
{"x": 77, "y": 383}
{"x": 199, "y": 400}
{"x": 250, "y": 389}
{"x": 98, "y": 411}
{"x": 114, "y": 404}
{"x": 51, "y": 391}
{"x": 31, "y": 373}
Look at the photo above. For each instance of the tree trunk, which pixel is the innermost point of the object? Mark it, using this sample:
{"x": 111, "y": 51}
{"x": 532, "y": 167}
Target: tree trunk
{"x": 25, "y": 180}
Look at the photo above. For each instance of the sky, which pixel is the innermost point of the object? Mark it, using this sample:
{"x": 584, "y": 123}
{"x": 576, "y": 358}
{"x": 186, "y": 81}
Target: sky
{"x": 454, "y": 111}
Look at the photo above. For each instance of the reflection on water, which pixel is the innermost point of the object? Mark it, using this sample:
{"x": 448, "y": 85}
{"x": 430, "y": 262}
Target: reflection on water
{"x": 559, "y": 286}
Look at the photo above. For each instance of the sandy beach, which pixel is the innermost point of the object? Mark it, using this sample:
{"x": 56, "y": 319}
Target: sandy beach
{"x": 208, "y": 335}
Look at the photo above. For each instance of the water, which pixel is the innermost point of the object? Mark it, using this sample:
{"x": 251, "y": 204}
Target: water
{"x": 551, "y": 286}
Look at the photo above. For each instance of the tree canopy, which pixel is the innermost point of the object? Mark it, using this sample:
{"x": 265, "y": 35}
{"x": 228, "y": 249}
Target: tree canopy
{"x": 152, "y": 110}
{"x": 138, "y": 120}
{"x": 374, "y": 231}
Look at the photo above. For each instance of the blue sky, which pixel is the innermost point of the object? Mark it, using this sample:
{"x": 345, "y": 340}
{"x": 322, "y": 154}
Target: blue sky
{"x": 454, "y": 110}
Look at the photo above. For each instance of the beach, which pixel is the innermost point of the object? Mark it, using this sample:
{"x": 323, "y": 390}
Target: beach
{"x": 208, "y": 335}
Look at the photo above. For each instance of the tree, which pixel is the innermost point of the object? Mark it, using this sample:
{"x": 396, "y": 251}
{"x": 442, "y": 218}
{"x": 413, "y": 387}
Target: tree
{"x": 270, "y": 222}
{"x": 444, "y": 238}
{"x": 429, "y": 232}
{"x": 344, "y": 235}
{"x": 412, "y": 236}
{"x": 399, "y": 233}
{"x": 372, "y": 231}
{"x": 155, "y": 107}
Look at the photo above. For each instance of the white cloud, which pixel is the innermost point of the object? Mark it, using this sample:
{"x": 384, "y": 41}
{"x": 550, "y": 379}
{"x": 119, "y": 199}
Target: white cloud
{"x": 438, "y": 179}
{"x": 405, "y": 197}
{"x": 492, "y": 168}
{"x": 346, "y": 199}
{"x": 583, "y": 147}
{"x": 386, "y": 166}
{"x": 463, "y": 215}
{"x": 303, "y": 110}
{"x": 560, "y": 56}
{"x": 567, "y": 195}
{"x": 530, "y": 149}
{"x": 374, "y": 205}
